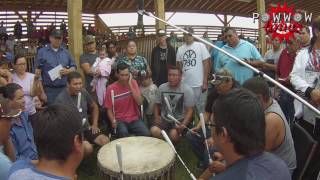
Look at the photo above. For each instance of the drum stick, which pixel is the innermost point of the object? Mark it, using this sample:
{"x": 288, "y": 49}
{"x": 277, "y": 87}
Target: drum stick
{"x": 141, "y": 108}
{"x": 178, "y": 122}
{"x": 119, "y": 155}
{"x": 114, "y": 114}
{"x": 78, "y": 102}
{"x": 205, "y": 135}
{"x": 168, "y": 104}
{"x": 164, "y": 134}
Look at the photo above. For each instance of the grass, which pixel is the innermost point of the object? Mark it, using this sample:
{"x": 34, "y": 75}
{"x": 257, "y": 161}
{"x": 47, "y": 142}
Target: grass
{"x": 183, "y": 148}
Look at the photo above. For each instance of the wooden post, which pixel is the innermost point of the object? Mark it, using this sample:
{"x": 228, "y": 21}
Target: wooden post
{"x": 159, "y": 12}
{"x": 225, "y": 20}
{"x": 261, "y": 7}
{"x": 75, "y": 29}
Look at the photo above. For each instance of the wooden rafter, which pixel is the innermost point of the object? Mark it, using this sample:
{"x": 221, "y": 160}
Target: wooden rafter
{"x": 189, "y": 3}
{"x": 181, "y": 4}
{"x": 97, "y": 5}
{"x": 212, "y": 4}
{"x": 204, "y": 4}
{"x": 112, "y": 4}
{"x": 19, "y": 15}
{"x": 130, "y": 4}
{"x": 172, "y": 4}
{"x": 148, "y": 4}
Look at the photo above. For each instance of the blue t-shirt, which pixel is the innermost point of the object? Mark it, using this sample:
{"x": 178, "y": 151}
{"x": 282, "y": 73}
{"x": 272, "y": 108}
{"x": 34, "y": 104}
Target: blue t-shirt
{"x": 265, "y": 166}
{"x": 244, "y": 50}
{"x": 215, "y": 53}
{"x": 5, "y": 165}
{"x": 21, "y": 135}
{"x": 25, "y": 170}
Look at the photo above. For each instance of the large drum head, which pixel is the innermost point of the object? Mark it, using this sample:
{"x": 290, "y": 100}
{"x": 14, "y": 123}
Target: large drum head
{"x": 140, "y": 155}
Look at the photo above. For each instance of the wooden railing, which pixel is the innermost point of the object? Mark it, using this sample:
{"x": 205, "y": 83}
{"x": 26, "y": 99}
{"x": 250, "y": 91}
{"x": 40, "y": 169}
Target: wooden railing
{"x": 213, "y": 31}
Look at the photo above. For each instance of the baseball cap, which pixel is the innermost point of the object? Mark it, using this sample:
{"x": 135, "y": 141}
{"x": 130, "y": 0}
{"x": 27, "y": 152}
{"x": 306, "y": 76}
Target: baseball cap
{"x": 221, "y": 76}
{"x": 89, "y": 39}
{"x": 189, "y": 29}
{"x": 6, "y": 111}
{"x": 56, "y": 33}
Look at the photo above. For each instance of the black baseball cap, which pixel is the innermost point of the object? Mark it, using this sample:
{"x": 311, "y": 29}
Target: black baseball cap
{"x": 56, "y": 33}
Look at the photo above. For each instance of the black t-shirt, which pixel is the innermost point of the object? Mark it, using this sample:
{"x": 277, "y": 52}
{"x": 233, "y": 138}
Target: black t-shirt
{"x": 163, "y": 76}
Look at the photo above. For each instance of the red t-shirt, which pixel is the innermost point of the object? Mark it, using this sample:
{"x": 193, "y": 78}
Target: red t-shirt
{"x": 125, "y": 107}
{"x": 285, "y": 64}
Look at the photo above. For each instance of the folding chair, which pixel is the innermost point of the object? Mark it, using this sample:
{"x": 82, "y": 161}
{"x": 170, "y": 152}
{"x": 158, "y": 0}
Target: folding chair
{"x": 305, "y": 147}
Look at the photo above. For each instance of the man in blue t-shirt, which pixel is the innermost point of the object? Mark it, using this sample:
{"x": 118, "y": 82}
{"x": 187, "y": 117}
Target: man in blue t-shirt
{"x": 6, "y": 115}
{"x": 60, "y": 149}
{"x": 241, "y": 49}
{"x": 238, "y": 128}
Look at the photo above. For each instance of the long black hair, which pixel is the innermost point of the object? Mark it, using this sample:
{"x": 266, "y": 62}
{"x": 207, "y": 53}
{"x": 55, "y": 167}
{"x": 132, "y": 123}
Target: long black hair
{"x": 315, "y": 27}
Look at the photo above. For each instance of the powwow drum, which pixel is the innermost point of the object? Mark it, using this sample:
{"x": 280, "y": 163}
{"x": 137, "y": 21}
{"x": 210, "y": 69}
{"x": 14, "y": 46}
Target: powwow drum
{"x": 143, "y": 158}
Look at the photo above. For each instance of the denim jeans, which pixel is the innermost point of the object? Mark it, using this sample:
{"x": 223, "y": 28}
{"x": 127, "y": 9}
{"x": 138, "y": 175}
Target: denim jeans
{"x": 136, "y": 127}
{"x": 198, "y": 146}
{"x": 287, "y": 106}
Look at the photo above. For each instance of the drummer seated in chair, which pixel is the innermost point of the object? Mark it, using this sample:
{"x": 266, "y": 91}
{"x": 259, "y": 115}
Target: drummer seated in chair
{"x": 75, "y": 94}
{"x": 180, "y": 99}
{"x": 125, "y": 103}
{"x": 58, "y": 136}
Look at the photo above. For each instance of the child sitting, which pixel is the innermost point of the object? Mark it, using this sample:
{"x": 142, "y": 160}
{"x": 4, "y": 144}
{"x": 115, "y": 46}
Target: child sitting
{"x": 148, "y": 90}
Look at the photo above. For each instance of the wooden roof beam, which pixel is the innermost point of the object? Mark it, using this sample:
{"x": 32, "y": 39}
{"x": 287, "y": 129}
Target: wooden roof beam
{"x": 107, "y": 4}
{"x": 146, "y": 6}
{"x": 130, "y": 4}
{"x": 19, "y": 15}
{"x": 189, "y": 3}
{"x": 212, "y": 4}
{"x": 204, "y": 4}
{"x": 112, "y": 4}
{"x": 174, "y": 2}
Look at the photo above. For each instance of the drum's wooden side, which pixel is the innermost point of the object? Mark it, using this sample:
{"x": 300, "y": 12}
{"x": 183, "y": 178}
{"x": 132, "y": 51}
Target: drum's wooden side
{"x": 166, "y": 173}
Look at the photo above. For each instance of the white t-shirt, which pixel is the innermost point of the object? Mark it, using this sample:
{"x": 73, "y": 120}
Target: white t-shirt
{"x": 191, "y": 57}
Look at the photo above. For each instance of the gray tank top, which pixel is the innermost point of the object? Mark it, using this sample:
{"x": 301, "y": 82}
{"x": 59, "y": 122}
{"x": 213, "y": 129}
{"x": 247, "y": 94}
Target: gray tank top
{"x": 286, "y": 149}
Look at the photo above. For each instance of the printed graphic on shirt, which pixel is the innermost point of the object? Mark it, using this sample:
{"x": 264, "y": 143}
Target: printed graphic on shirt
{"x": 189, "y": 59}
{"x": 163, "y": 54}
{"x": 176, "y": 105}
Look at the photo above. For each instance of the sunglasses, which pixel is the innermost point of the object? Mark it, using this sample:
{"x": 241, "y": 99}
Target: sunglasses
{"x": 219, "y": 78}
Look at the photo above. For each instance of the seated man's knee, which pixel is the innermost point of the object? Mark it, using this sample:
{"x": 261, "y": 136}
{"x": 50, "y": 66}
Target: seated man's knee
{"x": 155, "y": 131}
{"x": 101, "y": 140}
{"x": 174, "y": 135}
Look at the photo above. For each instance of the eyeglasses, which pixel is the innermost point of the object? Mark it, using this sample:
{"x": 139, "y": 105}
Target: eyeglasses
{"x": 210, "y": 125}
{"x": 22, "y": 64}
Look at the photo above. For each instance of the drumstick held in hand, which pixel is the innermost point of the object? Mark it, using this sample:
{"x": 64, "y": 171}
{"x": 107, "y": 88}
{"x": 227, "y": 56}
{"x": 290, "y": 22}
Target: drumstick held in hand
{"x": 165, "y": 136}
{"x": 178, "y": 122}
{"x": 119, "y": 155}
{"x": 114, "y": 114}
{"x": 205, "y": 134}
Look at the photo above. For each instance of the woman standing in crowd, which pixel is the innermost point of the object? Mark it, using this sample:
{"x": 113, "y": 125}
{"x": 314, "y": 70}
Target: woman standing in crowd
{"x": 30, "y": 84}
{"x": 138, "y": 65}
